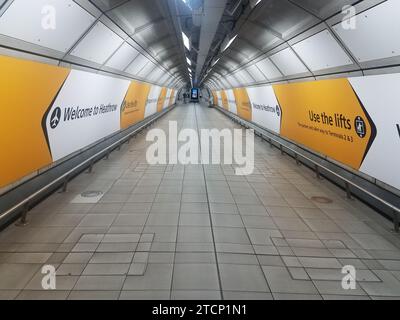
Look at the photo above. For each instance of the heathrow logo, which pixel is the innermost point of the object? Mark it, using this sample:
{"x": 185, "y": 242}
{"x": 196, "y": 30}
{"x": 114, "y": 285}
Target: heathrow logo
{"x": 278, "y": 111}
{"x": 360, "y": 126}
{"x": 55, "y": 118}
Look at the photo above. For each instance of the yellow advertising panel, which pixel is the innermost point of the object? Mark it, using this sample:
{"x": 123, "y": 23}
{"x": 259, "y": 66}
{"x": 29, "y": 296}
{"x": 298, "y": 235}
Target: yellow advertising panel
{"x": 161, "y": 100}
{"x": 215, "y": 98}
{"x": 134, "y": 105}
{"x": 243, "y": 104}
{"x": 224, "y": 97}
{"x": 27, "y": 89}
{"x": 171, "y": 99}
{"x": 327, "y": 117}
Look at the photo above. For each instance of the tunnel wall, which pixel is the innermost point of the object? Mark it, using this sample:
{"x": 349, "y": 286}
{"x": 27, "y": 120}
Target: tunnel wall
{"x": 49, "y": 112}
{"x": 353, "y": 121}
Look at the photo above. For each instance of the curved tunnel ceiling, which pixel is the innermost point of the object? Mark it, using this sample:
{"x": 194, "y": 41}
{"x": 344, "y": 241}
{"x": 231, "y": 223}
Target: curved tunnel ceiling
{"x": 289, "y": 40}
{"x": 232, "y": 43}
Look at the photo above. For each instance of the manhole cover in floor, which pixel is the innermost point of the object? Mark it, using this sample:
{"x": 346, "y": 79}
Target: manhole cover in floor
{"x": 321, "y": 200}
{"x": 91, "y": 194}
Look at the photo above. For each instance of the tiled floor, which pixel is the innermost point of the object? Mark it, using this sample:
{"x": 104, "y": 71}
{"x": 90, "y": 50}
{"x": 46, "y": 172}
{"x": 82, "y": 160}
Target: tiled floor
{"x": 200, "y": 232}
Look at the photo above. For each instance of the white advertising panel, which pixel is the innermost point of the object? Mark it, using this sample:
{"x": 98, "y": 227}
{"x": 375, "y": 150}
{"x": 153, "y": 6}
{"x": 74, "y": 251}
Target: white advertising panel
{"x": 380, "y": 96}
{"x": 86, "y": 110}
{"x": 168, "y": 97}
{"x": 152, "y": 100}
{"x": 231, "y": 101}
{"x": 219, "y": 98}
{"x": 266, "y": 111}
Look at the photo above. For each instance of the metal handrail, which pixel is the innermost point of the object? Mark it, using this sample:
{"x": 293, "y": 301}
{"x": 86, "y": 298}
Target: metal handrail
{"x": 66, "y": 176}
{"x": 318, "y": 166}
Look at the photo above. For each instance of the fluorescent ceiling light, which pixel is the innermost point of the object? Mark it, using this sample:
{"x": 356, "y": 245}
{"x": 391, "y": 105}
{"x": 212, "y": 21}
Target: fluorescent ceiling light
{"x": 230, "y": 42}
{"x": 186, "y": 41}
{"x": 189, "y": 61}
{"x": 216, "y": 61}
{"x": 186, "y": 2}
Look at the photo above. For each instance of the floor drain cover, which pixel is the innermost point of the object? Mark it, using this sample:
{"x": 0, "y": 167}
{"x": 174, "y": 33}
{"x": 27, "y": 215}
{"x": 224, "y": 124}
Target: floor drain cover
{"x": 91, "y": 194}
{"x": 321, "y": 200}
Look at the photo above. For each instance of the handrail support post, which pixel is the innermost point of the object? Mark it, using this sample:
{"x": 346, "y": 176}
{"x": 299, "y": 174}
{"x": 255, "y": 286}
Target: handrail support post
{"x": 396, "y": 220}
{"x": 317, "y": 171}
{"x": 296, "y": 156}
{"x": 23, "y": 221}
{"x": 65, "y": 185}
{"x": 348, "y": 191}
{"x": 90, "y": 167}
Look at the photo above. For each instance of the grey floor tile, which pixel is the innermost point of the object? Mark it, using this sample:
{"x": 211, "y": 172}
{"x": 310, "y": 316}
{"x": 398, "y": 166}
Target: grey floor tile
{"x": 112, "y": 257}
{"x": 145, "y": 295}
{"x": 94, "y": 295}
{"x": 43, "y": 295}
{"x": 194, "y": 220}
{"x": 293, "y": 296}
{"x": 105, "y": 269}
{"x": 195, "y": 295}
{"x": 195, "y": 277}
{"x": 8, "y": 294}
{"x": 195, "y": 234}
{"x": 130, "y": 220}
{"x": 16, "y": 276}
{"x": 389, "y": 286}
{"x": 254, "y": 210}
{"x": 231, "y": 235}
{"x": 247, "y": 278}
{"x": 335, "y": 288}
{"x": 156, "y": 277}
{"x": 280, "y": 281}
{"x": 234, "y": 248}
{"x": 235, "y": 258}
{"x": 99, "y": 283}
{"x": 259, "y": 222}
{"x": 240, "y": 295}
{"x": 98, "y": 220}
{"x": 224, "y": 208}
{"x": 372, "y": 242}
{"x": 227, "y": 220}
{"x": 195, "y": 257}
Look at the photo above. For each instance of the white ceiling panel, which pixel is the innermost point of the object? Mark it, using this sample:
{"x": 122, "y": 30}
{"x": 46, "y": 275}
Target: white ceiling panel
{"x": 322, "y": 51}
{"x": 269, "y": 69}
{"x": 52, "y": 24}
{"x": 287, "y": 61}
{"x": 98, "y": 45}
{"x": 163, "y": 78}
{"x": 123, "y": 57}
{"x": 376, "y": 33}
{"x": 256, "y": 73}
{"x": 137, "y": 65}
{"x": 145, "y": 72}
{"x": 156, "y": 75}
{"x": 244, "y": 77}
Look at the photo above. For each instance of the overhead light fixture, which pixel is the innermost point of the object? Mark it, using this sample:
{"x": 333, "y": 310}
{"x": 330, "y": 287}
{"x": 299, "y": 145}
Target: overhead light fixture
{"x": 186, "y": 41}
{"x": 230, "y": 42}
{"x": 189, "y": 61}
{"x": 254, "y": 3}
{"x": 187, "y": 3}
{"x": 215, "y": 62}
